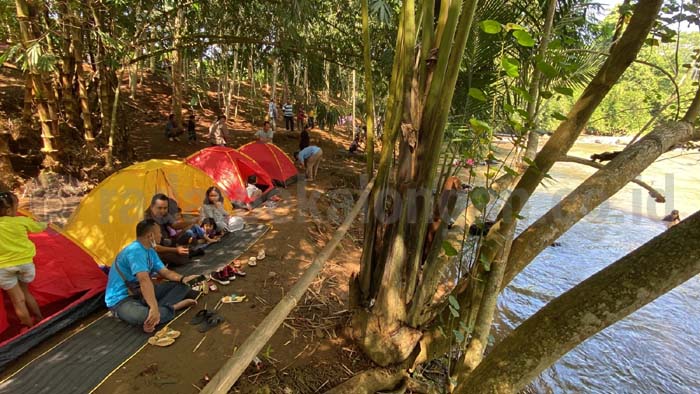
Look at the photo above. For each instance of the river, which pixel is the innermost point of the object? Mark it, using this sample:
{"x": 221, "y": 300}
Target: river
{"x": 657, "y": 348}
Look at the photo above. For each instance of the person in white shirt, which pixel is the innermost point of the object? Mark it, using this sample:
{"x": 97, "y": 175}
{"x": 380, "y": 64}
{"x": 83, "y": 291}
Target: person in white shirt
{"x": 218, "y": 132}
{"x": 265, "y": 135}
{"x": 272, "y": 113}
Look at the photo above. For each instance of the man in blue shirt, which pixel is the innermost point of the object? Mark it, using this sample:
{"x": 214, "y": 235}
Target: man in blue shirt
{"x": 132, "y": 271}
{"x": 309, "y": 158}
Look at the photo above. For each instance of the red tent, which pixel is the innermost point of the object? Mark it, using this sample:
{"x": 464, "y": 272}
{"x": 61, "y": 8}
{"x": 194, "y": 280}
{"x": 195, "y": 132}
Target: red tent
{"x": 230, "y": 169}
{"x": 270, "y": 157}
{"x": 69, "y": 285}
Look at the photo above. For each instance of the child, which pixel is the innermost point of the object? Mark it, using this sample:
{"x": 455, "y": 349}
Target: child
{"x": 16, "y": 259}
{"x": 252, "y": 189}
{"x": 206, "y": 233}
{"x": 191, "y": 133}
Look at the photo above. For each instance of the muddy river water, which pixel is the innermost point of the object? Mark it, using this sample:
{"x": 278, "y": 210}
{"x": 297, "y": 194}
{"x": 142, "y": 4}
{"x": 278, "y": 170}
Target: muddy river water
{"x": 657, "y": 348}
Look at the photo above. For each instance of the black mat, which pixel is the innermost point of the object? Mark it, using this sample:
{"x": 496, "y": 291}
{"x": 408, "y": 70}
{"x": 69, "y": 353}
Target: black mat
{"x": 84, "y": 360}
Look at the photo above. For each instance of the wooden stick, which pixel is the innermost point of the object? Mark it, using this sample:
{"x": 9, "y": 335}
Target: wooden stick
{"x": 227, "y": 376}
{"x": 199, "y": 344}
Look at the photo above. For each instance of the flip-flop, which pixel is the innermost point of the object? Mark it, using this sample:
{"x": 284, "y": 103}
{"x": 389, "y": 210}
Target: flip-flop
{"x": 211, "y": 322}
{"x": 160, "y": 342}
{"x": 261, "y": 255}
{"x": 252, "y": 262}
{"x": 201, "y": 316}
{"x": 167, "y": 332}
{"x": 233, "y": 299}
{"x": 236, "y": 263}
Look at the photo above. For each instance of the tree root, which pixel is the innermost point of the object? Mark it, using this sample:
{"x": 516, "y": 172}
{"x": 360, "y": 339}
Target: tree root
{"x": 373, "y": 381}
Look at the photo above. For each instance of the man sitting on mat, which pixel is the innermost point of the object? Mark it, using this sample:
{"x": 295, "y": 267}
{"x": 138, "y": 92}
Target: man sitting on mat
{"x": 131, "y": 294}
{"x": 167, "y": 248}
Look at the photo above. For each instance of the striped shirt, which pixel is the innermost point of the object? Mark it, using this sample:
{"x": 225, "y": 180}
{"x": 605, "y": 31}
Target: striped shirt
{"x": 288, "y": 110}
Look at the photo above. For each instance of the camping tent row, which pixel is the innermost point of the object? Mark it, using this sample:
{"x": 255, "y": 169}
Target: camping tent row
{"x": 69, "y": 283}
{"x": 105, "y": 220}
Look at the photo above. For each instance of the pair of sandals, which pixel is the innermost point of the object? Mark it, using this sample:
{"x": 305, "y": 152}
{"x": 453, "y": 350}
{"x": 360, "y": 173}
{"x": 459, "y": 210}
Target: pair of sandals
{"x": 165, "y": 337}
{"x": 253, "y": 261}
{"x": 206, "y": 320}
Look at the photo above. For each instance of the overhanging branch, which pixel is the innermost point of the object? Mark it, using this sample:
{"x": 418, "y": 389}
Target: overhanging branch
{"x": 655, "y": 194}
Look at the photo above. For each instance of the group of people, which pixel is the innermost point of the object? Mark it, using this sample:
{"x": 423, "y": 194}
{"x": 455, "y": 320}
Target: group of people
{"x": 164, "y": 239}
{"x": 302, "y": 119}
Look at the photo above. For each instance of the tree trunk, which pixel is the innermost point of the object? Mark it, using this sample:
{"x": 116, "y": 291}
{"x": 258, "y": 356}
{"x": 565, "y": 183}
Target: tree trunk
{"x": 354, "y": 105}
{"x": 608, "y": 296}
{"x": 7, "y": 173}
{"x": 85, "y": 110}
{"x": 26, "y": 15}
{"x": 27, "y": 106}
{"x": 369, "y": 91}
{"x": 275, "y": 67}
{"x": 594, "y": 191}
{"x": 67, "y": 67}
{"x": 534, "y": 137}
{"x": 621, "y": 56}
{"x": 177, "y": 67}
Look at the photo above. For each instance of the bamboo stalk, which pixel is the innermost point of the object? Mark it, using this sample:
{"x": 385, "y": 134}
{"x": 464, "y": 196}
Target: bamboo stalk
{"x": 234, "y": 367}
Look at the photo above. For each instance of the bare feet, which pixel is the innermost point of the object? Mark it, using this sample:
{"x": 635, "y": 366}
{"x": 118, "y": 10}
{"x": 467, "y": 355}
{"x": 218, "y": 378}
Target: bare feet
{"x": 186, "y": 303}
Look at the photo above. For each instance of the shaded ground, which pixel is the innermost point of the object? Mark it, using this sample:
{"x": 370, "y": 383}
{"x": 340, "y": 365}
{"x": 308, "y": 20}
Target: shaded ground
{"x": 309, "y": 352}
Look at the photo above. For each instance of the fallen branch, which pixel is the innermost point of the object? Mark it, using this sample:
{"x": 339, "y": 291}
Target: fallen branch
{"x": 655, "y": 194}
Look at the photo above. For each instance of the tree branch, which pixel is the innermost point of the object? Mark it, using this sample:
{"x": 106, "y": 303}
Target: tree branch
{"x": 608, "y": 296}
{"x": 655, "y": 194}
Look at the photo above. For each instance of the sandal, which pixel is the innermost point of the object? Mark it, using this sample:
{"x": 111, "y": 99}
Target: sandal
{"x": 201, "y": 316}
{"x": 212, "y": 321}
{"x": 261, "y": 254}
{"x": 233, "y": 299}
{"x": 167, "y": 332}
{"x": 236, "y": 263}
{"x": 252, "y": 262}
{"x": 160, "y": 342}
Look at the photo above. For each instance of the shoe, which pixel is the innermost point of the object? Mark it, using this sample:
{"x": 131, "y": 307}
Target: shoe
{"x": 177, "y": 139}
{"x": 228, "y": 272}
{"x": 252, "y": 262}
{"x": 261, "y": 255}
{"x": 219, "y": 277}
{"x": 237, "y": 272}
{"x": 171, "y": 139}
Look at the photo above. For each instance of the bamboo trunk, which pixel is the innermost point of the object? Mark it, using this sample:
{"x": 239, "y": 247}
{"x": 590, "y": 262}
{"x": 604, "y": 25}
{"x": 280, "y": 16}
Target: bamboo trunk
{"x": 85, "y": 110}
{"x": 42, "y": 94}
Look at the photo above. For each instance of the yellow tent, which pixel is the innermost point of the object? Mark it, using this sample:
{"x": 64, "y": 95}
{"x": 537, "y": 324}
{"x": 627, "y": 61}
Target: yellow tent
{"x": 105, "y": 221}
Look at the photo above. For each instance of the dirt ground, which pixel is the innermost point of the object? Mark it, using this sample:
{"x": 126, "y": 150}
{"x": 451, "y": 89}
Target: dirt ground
{"x": 309, "y": 353}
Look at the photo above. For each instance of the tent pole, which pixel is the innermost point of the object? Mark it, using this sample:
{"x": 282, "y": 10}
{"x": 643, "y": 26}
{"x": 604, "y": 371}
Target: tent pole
{"x": 234, "y": 367}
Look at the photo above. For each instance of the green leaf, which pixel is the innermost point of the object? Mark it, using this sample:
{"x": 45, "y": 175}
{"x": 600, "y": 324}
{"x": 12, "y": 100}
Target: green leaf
{"x": 546, "y": 69}
{"x": 480, "y": 198}
{"x": 565, "y": 91}
{"x": 524, "y": 38}
{"x": 479, "y": 125}
{"x": 458, "y": 335}
{"x": 490, "y": 26}
{"x": 453, "y": 301}
{"x": 510, "y": 171}
{"x": 449, "y": 249}
{"x": 559, "y": 116}
{"x": 477, "y": 94}
{"x": 510, "y": 66}
{"x": 453, "y": 311}
{"x": 546, "y": 95}
{"x": 652, "y": 42}
{"x": 513, "y": 26}
{"x": 523, "y": 93}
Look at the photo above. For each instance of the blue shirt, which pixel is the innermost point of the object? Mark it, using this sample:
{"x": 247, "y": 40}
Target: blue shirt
{"x": 308, "y": 152}
{"x": 134, "y": 258}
